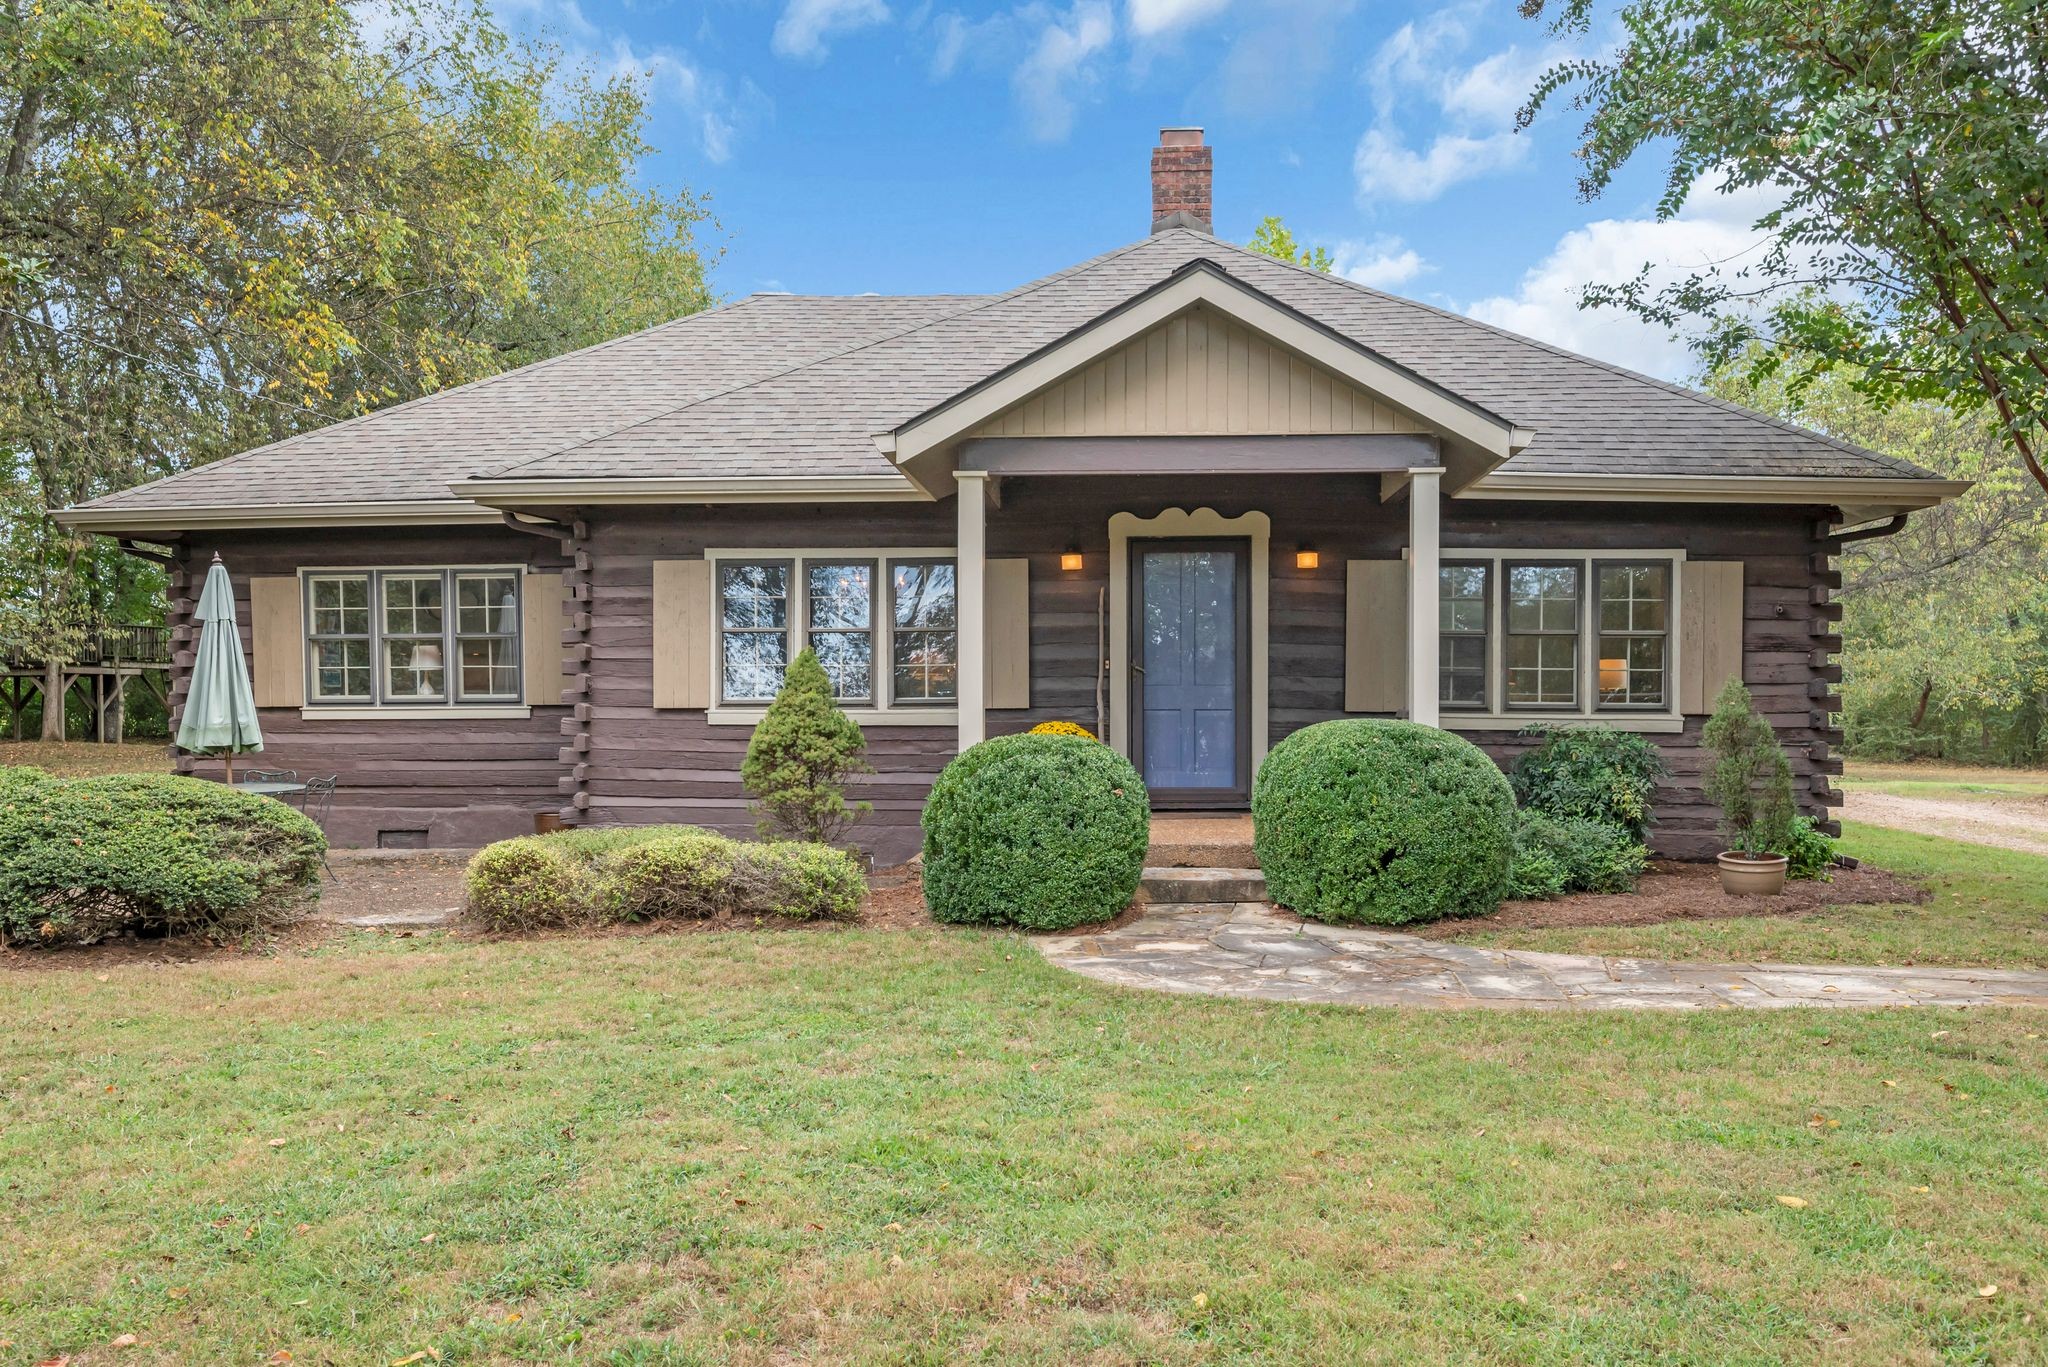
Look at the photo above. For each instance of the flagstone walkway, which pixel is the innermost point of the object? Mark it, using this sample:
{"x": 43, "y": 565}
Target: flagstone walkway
{"x": 1248, "y": 949}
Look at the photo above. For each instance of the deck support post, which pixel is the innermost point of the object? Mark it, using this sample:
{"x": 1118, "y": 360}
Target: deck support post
{"x": 971, "y": 606}
{"x": 1423, "y": 556}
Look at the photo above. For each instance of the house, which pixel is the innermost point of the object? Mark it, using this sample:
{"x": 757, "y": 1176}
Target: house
{"x": 1186, "y": 493}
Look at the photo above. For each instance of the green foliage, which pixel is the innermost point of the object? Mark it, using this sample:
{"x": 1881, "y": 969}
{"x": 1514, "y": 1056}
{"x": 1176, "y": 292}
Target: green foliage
{"x": 1384, "y": 822}
{"x": 1894, "y": 150}
{"x": 1810, "y": 852}
{"x": 1535, "y": 875}
{"x": 607, "y": 874}
{"x": 1945, "y": 623}
{"x": 225, "y": 223}
{"x": 1748, "y": 777}
{"x": 1592, "y": 772}
{"x": 1039, "y": 831}
{"x": 91, "y": 857}
{"x": 1272, "y": 238}
{"x": 1587, "y": 855}
{"x": 802, "y": 753}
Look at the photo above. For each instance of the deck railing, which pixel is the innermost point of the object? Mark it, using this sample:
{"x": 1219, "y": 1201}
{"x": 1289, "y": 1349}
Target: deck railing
{"x": 126, "y": 643}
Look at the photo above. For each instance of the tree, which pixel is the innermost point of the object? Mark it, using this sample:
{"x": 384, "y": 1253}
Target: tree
{"x": 226, "y": 221}
{"x": 1749, "y": 778}
{"x": 1273, "y": 239}
{"x": 801, "y": 755}
{"x": 1901, "y": 142}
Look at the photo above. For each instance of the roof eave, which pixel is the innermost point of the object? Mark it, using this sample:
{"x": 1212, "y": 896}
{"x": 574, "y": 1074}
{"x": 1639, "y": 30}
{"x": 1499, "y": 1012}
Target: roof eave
{"x": 110, "y": 521}
{"x": 1858, "y": 497}
{"x": 504, "y": 493}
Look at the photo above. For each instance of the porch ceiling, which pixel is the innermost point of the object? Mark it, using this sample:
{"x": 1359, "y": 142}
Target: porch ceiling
{"x": 1365, "y": 453}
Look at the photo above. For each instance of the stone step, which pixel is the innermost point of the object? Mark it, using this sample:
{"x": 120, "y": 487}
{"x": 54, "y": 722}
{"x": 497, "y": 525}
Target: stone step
{"x": 1202, "y": 885}
{"x": 1228, "y": 854}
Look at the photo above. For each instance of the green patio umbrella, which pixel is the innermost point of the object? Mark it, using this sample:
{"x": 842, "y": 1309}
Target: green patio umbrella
{"x": 220, "y": 707}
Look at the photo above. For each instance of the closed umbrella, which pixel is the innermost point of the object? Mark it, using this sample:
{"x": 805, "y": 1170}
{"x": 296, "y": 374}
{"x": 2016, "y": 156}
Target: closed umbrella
{"x": 220, "y": 707}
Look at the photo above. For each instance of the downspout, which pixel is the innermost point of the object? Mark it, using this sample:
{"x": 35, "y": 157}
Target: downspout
{"x": 156, "y": 557}
{"x": 1891, "y": 528}
{"x": 539, "y": 526}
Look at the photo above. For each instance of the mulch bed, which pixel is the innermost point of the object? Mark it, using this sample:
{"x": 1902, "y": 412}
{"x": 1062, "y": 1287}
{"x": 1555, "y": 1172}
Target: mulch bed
{"x": 1673, "y": 891}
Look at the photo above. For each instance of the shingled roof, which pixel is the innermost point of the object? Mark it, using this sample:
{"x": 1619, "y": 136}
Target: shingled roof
{"x": 785, "y": 386}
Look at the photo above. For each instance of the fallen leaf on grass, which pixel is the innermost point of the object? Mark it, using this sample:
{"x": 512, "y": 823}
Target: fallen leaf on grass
{"x": 1201, "y": 1300}
{"x": 279, "y": 1358}
{"x": 64, "y": 1361}
{"x": 1793, "y": 1202}
{"x": 277, "y": 1143}
{"x": 1987, "y": 1292}
{"x": 1923, "y": 1190}
{"x": 426, "y": 1238}
{"x": 178, "y": 1293}
{"x": 124, "y": 1341}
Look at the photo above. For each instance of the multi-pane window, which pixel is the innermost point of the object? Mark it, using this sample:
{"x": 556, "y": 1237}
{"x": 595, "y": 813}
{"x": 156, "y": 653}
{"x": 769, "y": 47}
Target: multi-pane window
{"x": 1635, "y": 614}
{"x": 338, "y": 637}
{"x": 387, "y": 636}
{"x": 1461, "y": 652}
{"x": 839, "y": 598}
{"x": 1542, "y": 635}
{"x": 924, "y": 639}
{"x": 877, "y": 652}
{"x": 753, "y": 619}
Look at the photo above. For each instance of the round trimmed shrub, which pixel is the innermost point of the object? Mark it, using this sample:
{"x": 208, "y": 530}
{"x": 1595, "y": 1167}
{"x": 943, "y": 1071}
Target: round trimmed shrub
{"x": 1382, "y": 822}
{"x": 1039, "y": 831}
{"x": 687, "y": 876}
{"x": 530, "y": 881}
{"x": 805, "y": 881}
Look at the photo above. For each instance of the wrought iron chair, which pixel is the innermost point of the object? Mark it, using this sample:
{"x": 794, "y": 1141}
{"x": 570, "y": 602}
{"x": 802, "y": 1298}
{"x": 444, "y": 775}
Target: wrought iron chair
{"x": 315, "y": 802}
{"x": 270, "y": 776}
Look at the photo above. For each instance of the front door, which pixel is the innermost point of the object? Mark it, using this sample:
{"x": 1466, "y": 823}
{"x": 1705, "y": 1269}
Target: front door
{"x": 1190, "y": 685}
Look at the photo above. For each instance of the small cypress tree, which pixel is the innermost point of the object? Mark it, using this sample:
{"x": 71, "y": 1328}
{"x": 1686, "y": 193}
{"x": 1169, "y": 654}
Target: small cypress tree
{"x": 1749, "y": 778}
{"x": 801, "y": 755}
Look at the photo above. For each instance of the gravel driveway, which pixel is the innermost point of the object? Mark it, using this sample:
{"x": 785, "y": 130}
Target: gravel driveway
{"x": 2010, "y": 823}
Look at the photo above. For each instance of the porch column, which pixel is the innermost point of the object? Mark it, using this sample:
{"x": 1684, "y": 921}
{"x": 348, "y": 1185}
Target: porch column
{"x": 1423, "y": 490}
{"x": 971, "y": 607}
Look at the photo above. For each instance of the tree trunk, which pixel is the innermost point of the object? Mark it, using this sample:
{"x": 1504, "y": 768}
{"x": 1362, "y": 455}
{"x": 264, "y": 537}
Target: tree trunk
{"x": 1920, "y": 712}
{"x": 53, "y": 700}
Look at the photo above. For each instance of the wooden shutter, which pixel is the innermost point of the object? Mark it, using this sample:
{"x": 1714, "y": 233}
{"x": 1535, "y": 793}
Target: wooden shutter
{"x": 540, "y": 638}
{"x": 683, "y": 640}
{"x": 1710, "y": 631}
{"x": 1375, "y": 636}
{"x": 1008, "y": 631}
{"x": 277, "y": 641}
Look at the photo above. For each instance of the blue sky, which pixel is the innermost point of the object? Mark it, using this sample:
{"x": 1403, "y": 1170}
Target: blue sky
{"x": 908, "y": 146}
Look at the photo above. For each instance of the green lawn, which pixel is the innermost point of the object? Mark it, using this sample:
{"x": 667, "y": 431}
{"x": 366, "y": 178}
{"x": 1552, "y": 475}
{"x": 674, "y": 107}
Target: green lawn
{"x": 1990, "y": 906}
{"x": 1928, "y": 778}
{"x": 933, "y": 1147}
{"x": 84, "y": 758}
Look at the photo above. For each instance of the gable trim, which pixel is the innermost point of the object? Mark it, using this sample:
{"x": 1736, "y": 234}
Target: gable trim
{"x": 1203, "y": 282}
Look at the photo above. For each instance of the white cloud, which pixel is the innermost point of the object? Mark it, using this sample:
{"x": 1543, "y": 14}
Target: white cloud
{"x": 707, "y": 102}
{"x": 1060, "y": 66}
{"x": 1386, "y": 169}
{"x": 1713, "y": 230}
{"x": 1150, "y": 18}
{"x": 805, "y": 24}
{"x": 1383, "y": 263}
{"x": 1278, "y": 61}
{"x": 559, "y": 16}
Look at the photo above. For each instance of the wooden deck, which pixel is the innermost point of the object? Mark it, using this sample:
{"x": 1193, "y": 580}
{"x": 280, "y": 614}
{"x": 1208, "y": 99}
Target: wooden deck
{"x": 102, "y": 667}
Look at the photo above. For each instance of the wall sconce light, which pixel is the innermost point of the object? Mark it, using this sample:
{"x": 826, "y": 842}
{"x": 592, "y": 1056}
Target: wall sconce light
{"x": 1308, "y": 558}
{"x": 1070, "y": 558}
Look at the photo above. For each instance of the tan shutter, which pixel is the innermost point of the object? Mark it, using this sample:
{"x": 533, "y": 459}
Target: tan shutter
{"x": 1710, "y": 631}
{"x": 682, "y": 640}
{"x": 540, "y": 638}
{"x": 276, "y": 641}
{"x": 1375, "y": 636}
{"x": 1008, "y": 596}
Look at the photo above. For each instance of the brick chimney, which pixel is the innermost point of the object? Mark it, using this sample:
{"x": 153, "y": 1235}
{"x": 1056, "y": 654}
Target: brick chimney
{"x": 1180, "y": 181}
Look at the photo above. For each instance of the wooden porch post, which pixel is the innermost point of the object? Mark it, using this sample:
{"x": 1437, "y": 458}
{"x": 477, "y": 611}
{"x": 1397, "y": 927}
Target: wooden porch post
{"x": 1423, "y": 488}
{"x": 970, "y": 551}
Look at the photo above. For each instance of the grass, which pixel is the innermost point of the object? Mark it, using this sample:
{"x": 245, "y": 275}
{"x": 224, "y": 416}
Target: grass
{"x": 926, "y": 1147}
{"x": 1990, "y": 907}
{"x": 1928, "y": 778}
{"x": 83, "y": 758}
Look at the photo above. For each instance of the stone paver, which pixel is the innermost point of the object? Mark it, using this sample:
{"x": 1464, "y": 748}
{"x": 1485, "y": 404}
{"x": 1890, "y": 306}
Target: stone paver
{"x": 1248, "y": 949}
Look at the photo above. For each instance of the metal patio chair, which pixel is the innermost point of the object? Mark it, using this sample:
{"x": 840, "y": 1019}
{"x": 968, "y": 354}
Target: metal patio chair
{"x": 315, "y": 802}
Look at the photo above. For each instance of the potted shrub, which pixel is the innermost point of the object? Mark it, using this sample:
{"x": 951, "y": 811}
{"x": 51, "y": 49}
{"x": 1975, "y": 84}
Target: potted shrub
{"x": 1750, "y": 781}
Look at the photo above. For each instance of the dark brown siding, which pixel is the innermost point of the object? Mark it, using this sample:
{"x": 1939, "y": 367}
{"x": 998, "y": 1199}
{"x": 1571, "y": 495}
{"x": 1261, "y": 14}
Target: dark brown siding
{"x": 463, "y": 782}
{"x": 632, "y": 764}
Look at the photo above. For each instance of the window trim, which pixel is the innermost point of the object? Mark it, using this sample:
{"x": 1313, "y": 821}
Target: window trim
{"x": 889, "y": 572}
{"x": 793, "y": 601}
{"x": 1577, "y": 634}
{"x": 884, "y": 709}
{"x": 1639, "y": 717}
{"x": 1490, "y": 570}
{"x": 873, "y": 630}
{"x": 1668, "y": 635}
{"x": 451, "y": 703}
{"x": 310, "y": 639}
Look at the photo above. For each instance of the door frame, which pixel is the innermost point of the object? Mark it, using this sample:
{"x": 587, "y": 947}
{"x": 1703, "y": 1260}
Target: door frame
{"x": 1239, "y": 794}
{"x": 1179, "y": 523}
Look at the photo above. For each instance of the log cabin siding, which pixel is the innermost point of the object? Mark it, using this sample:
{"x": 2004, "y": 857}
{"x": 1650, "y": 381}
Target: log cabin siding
{"x": 463, "y": 782}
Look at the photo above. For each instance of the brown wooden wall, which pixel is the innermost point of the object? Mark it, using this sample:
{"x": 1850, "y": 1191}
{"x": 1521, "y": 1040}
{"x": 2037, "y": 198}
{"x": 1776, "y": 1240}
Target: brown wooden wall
{"x": 463, "y": 782}
{"x": 607, "y": 756}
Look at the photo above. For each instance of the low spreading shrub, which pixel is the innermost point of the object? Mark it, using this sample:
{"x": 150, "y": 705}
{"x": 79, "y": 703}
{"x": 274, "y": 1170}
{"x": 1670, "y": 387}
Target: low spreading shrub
{"x": 1384, "y": 822}
{"x": 1810, "y": 852}
{"x": 1040, "y": 831}
{"x": 1586, "y": 856}
{"x": 1594, "y": 773}
{"x": 607, "y": 874}
{"x": 87, "y": 858}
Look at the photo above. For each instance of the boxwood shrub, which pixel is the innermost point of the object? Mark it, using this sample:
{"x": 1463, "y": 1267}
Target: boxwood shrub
{"x": 87, "y": 858}
{"x": 1556, "y": 855}
{"x": 1038, "y": 830}
{"x": 651, "y": 873}
{"x": 1382, "y": 822}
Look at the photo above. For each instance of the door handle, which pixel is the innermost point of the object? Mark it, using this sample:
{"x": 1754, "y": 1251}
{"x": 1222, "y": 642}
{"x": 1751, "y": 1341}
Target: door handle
{"x": 1137, "y": 668}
